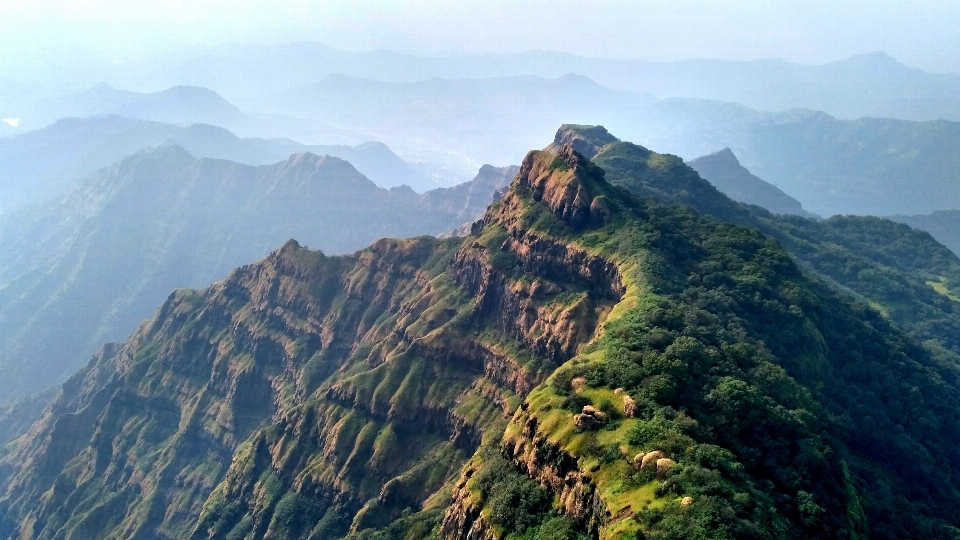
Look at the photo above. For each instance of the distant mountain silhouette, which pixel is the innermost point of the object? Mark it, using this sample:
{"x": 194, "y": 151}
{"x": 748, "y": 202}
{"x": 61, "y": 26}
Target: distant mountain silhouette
{"x": 462, "y": 121}
{"x": 872, "y": 84}
{"x": 723, "y": 170}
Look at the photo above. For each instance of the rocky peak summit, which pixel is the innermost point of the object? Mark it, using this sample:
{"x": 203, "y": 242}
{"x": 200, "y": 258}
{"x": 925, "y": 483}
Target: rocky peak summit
{"x": 586, "y": 140}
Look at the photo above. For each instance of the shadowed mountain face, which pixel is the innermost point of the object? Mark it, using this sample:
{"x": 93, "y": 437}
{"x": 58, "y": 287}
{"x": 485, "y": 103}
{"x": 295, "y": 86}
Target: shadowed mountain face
{"x": 86, "y": 269}
{"x": 724, "y": 171}
{"x": 44, "y": 164}
{"x": 586, "y": 362}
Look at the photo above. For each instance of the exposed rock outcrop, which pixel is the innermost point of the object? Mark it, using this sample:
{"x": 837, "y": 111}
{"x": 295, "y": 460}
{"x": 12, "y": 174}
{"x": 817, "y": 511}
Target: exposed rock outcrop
{"x": 629, "y": 406}
{"x": 586, "y": 140}
{"x": 589, "y": 418}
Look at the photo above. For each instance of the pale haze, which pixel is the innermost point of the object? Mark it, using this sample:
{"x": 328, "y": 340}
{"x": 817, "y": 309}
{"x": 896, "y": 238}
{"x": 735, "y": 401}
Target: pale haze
{"x": 39, "y": 35}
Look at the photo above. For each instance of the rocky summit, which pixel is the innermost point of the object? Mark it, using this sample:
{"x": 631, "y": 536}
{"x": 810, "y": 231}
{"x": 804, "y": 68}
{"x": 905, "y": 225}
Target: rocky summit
{"x": 585, "y": 363}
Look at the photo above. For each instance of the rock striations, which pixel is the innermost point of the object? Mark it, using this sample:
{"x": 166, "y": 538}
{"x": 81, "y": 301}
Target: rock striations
{"x": 87, "y": 268}
{"x": 477, "y": 388}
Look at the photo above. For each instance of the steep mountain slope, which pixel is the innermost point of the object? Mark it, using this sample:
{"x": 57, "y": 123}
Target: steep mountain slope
{"x": 943, "y": 225}
{"x": 316, "y": 397}
{"x": 723, "y": 170}
{"x": 683, "y": 377}
{"x": 469, "y": 200}
{"x": 86, "y": 269}
{"x": 43, "y": 164}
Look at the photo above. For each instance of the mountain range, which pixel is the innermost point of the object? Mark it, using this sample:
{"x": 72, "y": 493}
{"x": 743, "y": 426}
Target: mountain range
{"x": 869, "y": 166}
{"x": 480, "y": 119}
{"x": 874, "y": 84}
{"x": 614, "y": 350}
{"x": 448, "y": 127}
{"x": 45, "y": 163}
{"x": 178, "y": 105}
{"x": 87, "y": 268}
{"x": 830, "y": 165}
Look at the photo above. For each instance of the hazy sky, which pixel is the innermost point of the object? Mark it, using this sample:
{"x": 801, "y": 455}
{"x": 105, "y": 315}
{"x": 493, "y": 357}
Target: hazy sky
{"x": 924, "y": 34}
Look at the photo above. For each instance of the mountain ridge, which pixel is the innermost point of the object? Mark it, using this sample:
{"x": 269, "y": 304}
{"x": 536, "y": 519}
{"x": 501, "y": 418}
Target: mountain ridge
{"x": 43, "y": 164}
{"x": 517, "y": 373}
{"x": 87, "y": 268}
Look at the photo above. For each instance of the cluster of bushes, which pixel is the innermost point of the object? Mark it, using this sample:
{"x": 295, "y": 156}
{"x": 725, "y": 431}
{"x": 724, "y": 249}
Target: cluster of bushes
{"x": 519, "y": 505}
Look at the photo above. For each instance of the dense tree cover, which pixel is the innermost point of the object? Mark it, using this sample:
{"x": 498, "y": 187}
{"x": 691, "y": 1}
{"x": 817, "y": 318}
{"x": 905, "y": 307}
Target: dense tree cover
{"x": 902, "y": 272}
{"x": 944, "y": 225}
{"x": 519, "y": 506}
{"x": 778, "y": 397}
{"x": 792, "y": 410}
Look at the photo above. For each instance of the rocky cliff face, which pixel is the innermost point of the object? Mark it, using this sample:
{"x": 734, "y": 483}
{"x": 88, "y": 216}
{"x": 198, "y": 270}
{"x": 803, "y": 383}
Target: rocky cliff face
{"x": 86, "y": 269}
{"x": 598, "y": 474}
{"x": 584, "y": 362}
{"x": 340, "y": 389}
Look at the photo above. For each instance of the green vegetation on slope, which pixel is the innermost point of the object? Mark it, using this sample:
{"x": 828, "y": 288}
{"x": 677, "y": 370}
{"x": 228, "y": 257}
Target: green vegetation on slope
{"x": 789, "y": 411}
{"x": 504, "y": 385}
{"x": 884, "y": 264}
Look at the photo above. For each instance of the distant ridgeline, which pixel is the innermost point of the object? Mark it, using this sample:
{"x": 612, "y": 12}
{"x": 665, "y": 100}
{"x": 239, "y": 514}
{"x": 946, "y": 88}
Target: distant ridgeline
{"x": 44, "y": 164}
{"x": 592, "y": 360}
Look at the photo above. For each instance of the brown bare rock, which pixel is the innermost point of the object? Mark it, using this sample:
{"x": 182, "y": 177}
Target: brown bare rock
{"x": 590, "y": 418}
{"x": 663, "y": 467}
{"x": 559, "y": 188}
{"x": 599, "y": 212}
{"x": 651, "y": 458}
{"x": 587, "y": 141}
{"x": 586, "y": 422}
{"x": 629, "y": 406}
